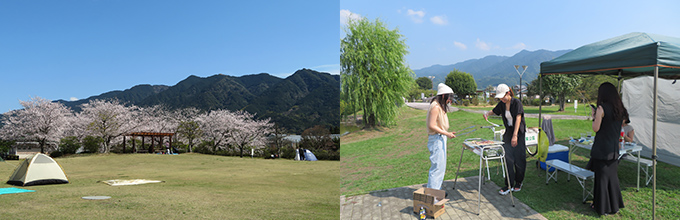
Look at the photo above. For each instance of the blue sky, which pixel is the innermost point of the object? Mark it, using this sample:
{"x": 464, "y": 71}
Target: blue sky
{"x": 80, "y": 48}
{"x": 447, "y": 32}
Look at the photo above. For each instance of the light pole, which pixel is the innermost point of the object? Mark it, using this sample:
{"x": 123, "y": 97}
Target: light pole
{"x": 524, "y": 67}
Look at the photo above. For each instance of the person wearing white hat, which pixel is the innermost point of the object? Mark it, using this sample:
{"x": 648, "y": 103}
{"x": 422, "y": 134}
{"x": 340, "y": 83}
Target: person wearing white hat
{"x": 437, "y": 126}
{"x": 512, "y": 113}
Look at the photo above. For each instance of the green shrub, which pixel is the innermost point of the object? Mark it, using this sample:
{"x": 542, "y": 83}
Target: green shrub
{"x": 56, "y": 154}
{"x": 118, "y": 148}
{"x": 92, "y": 144}
{"x": 68, "y": 145}
{"x": 493, "y": 102}
{"x": 288, "y": 153}
{"x": 203, "y": 148}
{"x": 525, "y": 102}
{"x": 326, "y": 154}
{"x": 475, "y": 101}
{"x": 536, "y": 102}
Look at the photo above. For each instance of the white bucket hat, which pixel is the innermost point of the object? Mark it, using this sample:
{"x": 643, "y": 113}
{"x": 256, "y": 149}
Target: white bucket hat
{"x": 443, "y": 89}
{"x": 501, "y": 90}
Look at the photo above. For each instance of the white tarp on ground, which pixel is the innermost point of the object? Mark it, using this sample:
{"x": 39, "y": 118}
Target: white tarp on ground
{"x": 129, "y": 182}
{"x": 638, "y": 98}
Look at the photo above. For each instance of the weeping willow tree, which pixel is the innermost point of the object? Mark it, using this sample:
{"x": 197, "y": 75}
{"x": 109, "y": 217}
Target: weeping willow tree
{"x": 373, "y": 72}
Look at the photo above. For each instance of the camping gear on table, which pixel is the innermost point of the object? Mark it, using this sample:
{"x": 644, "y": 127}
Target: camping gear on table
{"x": 38, "y": 170}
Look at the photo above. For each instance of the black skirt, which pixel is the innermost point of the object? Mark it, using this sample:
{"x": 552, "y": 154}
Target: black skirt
{"x": 607, "y": 192}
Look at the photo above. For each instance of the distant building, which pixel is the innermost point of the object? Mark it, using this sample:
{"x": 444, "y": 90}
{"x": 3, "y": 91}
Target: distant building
{"x": 29, "y": 148}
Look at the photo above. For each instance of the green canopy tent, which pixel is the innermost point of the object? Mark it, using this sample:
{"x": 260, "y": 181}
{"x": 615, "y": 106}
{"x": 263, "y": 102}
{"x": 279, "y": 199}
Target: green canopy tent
{"x": 629, "y": 55}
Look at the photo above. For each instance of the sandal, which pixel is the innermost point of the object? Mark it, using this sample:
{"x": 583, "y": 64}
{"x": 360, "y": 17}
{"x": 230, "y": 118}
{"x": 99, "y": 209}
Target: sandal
{"x": 504, "y": 191}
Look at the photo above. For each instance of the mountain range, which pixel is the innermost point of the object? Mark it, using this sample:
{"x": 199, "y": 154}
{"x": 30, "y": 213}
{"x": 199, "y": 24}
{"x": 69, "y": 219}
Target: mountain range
{"x": 300, "y": 101}
{"x": 493, "y": 70}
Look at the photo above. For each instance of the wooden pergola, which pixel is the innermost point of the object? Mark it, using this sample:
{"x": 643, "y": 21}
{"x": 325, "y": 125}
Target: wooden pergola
{"x": 147, "y": 134}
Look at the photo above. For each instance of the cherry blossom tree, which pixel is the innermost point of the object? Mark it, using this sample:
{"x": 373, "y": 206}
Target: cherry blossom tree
{"x": 40, "y": 120}
{"x": 109, "y": 119}
{"x": 217, "y": 126}
{"x": 157, "y": 118}
{"x": 250, "y": 132}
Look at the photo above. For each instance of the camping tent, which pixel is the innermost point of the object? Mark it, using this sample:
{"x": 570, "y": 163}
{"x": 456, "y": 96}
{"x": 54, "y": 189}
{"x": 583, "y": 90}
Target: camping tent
{"x": 637, "y": 97}
{"x": 628, "y": 55}
{"x": 38, "y": 170}
{"x": 309, "y": 156}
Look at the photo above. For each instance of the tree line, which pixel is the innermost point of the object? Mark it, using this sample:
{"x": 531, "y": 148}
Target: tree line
{"x": 558, "y": 88}
{"x": 105, "y": 122}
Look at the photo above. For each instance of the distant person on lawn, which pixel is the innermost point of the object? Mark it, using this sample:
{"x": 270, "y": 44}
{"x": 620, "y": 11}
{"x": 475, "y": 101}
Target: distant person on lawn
{"x": 512, "y": 112}
{"x": 437, "y": 126}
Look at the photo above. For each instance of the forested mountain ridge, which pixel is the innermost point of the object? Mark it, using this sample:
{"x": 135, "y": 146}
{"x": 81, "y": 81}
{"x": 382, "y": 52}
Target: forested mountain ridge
{"x": 493, "y": 70}
{"x": 300, "y": 101}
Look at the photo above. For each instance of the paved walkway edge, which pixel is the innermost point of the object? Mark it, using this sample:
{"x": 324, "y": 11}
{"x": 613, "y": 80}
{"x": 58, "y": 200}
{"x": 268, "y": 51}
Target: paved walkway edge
{"x": 397, "y": 203}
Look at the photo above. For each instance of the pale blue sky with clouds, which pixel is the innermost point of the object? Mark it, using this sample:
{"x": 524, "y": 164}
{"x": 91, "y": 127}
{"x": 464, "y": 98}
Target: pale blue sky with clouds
{"x": 446, "y": 32}
{"x": 80, "y": 48}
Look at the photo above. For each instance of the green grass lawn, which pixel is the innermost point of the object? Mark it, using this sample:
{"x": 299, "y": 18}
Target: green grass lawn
{"x": 196, "y": 186}
{"x": 397, "y": 156}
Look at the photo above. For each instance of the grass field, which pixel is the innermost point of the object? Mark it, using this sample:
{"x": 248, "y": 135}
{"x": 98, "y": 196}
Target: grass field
{"x": 397, "y": 156}
{"x": 196, "y": 186}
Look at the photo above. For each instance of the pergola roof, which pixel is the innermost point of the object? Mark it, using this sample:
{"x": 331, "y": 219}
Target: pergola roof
{"x": 149, "y": 134}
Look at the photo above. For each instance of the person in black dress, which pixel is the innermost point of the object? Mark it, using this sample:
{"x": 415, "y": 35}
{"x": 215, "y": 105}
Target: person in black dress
{"x": 607, "y": 121}
{"x": 514, "y": 143}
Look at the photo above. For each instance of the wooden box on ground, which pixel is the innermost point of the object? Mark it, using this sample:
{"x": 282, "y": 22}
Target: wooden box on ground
{"x": 431, "y": 199}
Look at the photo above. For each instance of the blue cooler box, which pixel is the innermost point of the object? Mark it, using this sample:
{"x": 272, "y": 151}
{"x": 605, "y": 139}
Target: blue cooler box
{"x": 556, "y": 151}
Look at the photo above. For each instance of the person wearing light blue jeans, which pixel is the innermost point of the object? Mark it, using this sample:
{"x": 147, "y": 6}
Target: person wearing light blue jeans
{"x": 436, "y": 143}
{"x": 437, "y": 126}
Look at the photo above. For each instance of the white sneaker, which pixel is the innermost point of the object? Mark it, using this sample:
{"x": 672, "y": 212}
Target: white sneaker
{"x": 518, "y": 189}
{"x": 504, "y": 192}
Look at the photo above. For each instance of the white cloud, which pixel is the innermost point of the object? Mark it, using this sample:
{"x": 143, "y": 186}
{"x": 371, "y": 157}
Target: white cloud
{"x": 460, "y": 45}
{"x": 416, "y": 16}
{"x": 519, "y": 46}
{"x": 73, "y": 99}
{"x": 482, "y": 45}
{"x": 439, "y": 20}
{"x": 345, "y": 15}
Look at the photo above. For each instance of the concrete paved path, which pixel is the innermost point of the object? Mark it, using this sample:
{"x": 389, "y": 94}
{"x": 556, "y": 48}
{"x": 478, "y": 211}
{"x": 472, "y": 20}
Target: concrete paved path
{"x": 397, "y": 203}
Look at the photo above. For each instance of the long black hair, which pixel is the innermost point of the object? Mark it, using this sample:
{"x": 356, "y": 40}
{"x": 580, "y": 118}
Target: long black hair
{"x": 607, "y": 94}
{"x": 441, "y": 99}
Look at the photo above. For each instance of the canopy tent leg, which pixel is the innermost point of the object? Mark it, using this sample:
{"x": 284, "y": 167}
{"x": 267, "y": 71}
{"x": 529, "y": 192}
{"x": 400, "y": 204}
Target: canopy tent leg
{"x": 656, "y": 96}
